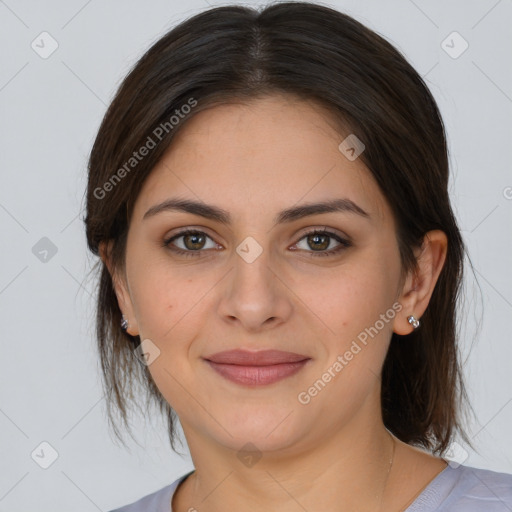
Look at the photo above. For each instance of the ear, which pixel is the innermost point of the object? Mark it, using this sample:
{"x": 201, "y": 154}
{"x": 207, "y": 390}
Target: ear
{"x": 419, "y": 285}
{"x": 120, "y": 287}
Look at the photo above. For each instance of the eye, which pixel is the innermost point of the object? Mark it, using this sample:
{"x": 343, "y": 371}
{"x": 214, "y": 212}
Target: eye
{"x": 193, "y": 242}
{"x": 321, "y": 240}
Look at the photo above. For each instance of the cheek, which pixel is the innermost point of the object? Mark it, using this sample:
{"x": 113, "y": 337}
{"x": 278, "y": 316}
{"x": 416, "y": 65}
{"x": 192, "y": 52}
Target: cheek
{"x": 153, "y": 304}
{"x": 159, "y": 298}
{"x": 348, "y": 298}
{"x": 353, "y": 307}
{"x": 169, "y": 310}
{"x": 172, "y": 305}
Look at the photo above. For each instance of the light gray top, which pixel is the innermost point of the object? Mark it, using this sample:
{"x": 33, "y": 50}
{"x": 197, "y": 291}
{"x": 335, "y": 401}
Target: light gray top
{"x": 455, "y": 489}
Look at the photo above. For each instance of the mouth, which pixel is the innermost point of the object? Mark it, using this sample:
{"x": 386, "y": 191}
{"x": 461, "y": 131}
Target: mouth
{"x": 256, "y": 368}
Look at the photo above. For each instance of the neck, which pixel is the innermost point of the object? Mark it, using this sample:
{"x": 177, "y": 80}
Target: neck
{"x": 351, "y": 466}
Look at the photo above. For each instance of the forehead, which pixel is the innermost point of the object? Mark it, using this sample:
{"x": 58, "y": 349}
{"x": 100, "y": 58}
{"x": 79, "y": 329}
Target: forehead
{"x": 271, "y": 152}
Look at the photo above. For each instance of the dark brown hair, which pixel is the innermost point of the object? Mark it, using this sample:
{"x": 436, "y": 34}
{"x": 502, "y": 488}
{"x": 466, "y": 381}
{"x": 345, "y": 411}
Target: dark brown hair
{"x": 237, "y": 54}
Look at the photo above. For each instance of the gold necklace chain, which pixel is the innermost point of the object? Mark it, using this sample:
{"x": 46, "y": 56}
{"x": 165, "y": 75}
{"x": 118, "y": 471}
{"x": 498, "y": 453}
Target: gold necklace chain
{"x": 393, "y": 442}
{"x": 403, "y": 509}
{"x": 422, "y": 489}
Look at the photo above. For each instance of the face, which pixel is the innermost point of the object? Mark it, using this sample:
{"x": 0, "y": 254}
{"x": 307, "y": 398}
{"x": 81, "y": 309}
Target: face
{"x": 260, "y": 280}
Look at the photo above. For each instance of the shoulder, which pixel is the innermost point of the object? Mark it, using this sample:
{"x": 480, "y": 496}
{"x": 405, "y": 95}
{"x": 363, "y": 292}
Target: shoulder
{"x": 483, "y": 489}
{"x": 467, "y": 489}
{"x": 158, "y": 501}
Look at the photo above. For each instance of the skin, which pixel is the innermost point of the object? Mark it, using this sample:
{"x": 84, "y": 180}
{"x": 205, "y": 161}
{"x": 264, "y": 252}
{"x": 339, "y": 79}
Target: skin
{"x": 253, "y": 160}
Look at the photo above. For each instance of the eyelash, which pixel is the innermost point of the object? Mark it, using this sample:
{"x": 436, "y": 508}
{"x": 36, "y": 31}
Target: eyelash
{"x": 343, "y": 243}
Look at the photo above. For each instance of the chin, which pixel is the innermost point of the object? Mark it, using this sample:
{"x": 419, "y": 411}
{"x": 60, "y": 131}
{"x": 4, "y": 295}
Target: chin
{"x": 267, "y": 431}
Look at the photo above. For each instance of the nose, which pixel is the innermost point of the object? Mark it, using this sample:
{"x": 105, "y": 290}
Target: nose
{"x": 255, "y": 295}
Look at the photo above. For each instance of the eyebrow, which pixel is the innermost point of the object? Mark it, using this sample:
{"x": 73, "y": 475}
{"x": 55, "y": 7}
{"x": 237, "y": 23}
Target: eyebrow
{"x": 288, "y": 215}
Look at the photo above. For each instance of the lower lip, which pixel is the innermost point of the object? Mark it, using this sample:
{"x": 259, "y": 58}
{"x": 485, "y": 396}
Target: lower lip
{"x": 257, "y": 375}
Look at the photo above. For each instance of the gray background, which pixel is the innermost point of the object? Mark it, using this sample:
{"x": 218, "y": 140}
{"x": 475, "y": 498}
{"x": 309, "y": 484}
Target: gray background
{"x": 51, "y": 109}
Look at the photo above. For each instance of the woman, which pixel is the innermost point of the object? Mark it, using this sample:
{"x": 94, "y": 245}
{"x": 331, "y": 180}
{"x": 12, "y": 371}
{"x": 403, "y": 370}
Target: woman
{"x": 280, "y": 265}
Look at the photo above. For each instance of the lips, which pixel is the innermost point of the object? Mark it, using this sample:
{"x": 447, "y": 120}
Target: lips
{"x": 256, "y": 368}
{"x": 261, "y": 358}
